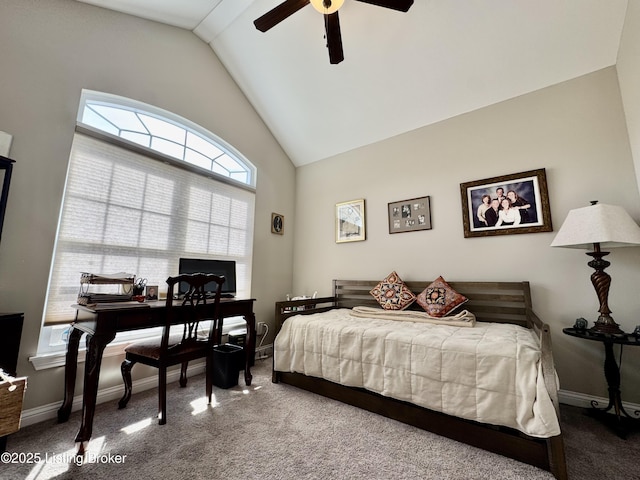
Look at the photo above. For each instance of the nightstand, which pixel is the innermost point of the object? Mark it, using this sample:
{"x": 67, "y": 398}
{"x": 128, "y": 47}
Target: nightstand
{"x": 621, "y": 422}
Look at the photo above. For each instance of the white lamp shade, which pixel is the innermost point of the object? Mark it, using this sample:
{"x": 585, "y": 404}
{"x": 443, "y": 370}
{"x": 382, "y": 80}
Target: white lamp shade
{"x": 333, "y": 7}
{"x": 609, "y": 225}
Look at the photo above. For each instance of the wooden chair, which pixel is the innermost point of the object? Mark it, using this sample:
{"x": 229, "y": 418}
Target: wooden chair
{"x": 177, "y": 349}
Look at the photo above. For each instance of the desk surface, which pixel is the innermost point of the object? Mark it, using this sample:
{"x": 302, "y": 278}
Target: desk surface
{"x": 95, "y": 307}
{"x": 110, "y": 318}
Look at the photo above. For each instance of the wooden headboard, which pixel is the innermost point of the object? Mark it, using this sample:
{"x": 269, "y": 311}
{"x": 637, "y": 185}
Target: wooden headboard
{"x": 507, "y": 302}
{"x": 503, "y": 302}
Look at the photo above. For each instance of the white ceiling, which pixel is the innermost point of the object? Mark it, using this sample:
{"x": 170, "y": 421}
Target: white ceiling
{"x": 401, "y": 71}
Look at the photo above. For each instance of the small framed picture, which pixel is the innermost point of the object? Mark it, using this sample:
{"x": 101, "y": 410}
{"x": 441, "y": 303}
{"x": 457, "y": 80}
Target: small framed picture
{"x": 516, "y": 203}
{"x": 151, "y": 292}
{"x": 277, "y": 223}
{"x": 410, "y": 215}
{"x": 350, "y": 221}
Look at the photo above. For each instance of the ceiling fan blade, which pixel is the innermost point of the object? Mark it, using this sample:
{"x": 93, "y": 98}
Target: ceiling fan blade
{"x": 334, "y": 37}
{"x": 401, "y": 5}
{"x": 278, "y": 14}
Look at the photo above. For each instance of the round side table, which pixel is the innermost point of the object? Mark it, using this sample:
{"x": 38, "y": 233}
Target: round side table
{"x": 621, "y": 422}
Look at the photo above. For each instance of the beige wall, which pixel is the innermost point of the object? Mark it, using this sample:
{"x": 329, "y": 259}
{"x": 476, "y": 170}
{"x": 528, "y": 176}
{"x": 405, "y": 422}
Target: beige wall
{"x": 576, "y": 130}
{"x": 50, "y": 51}
{"x": 628, "y": 66}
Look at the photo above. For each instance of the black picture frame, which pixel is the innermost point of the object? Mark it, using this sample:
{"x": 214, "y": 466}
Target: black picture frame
{"x": 277, "y": 223}
{"x": 409, "y": 215}
{"x": 530, "y": 188}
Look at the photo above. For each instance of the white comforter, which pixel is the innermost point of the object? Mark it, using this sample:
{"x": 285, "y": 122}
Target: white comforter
{"x": 490, "y": 373}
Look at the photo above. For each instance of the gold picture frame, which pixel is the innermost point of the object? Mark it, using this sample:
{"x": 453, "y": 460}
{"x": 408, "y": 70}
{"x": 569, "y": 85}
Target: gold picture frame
{"x": 350, "y": 221}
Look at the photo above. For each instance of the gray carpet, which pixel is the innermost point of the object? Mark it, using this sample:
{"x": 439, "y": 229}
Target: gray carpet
{"x": 270, "y": 431}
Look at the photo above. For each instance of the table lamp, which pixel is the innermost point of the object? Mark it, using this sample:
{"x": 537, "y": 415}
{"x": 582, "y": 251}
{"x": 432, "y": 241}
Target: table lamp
{"x": 596, "y": 226}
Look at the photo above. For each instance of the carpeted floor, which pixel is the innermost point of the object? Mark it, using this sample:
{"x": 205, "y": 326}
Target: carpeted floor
{"x": 274, "y": 431}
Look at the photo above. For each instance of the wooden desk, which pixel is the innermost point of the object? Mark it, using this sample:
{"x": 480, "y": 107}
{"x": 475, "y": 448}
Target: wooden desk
{"x": 101, "y": 323}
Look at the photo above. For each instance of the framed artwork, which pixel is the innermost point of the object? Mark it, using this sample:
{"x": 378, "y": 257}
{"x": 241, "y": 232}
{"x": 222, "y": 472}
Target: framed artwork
{"x": 350, "y": 221}
{"x": 151, "y": 292}
{"x": 410, "y": 215}
{"x": 517, "y": 203}
{"x": 277, "y": 223}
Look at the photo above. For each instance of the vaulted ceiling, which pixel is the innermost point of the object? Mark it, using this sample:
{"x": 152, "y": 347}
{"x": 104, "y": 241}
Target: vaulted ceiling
{"x": 401, "y": 71}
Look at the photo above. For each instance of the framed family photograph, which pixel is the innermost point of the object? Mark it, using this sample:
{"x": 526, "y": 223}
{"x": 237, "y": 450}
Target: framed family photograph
{"x": 410, "y": 215}
{"x": 517, "y": 203}
{"x": 350, "y": 221}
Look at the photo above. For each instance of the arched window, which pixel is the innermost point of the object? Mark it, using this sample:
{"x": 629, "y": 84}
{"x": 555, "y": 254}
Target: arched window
{"x": 145, "y": 188}
{"x": 165, "y": 133}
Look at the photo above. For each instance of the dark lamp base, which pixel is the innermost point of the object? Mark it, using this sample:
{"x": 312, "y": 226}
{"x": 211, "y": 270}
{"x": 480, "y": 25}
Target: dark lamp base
{"x": 606, "y": 325}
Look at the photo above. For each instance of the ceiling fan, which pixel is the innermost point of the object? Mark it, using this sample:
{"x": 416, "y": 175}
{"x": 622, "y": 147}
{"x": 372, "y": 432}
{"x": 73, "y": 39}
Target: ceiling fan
{"x": 331, "y": 22}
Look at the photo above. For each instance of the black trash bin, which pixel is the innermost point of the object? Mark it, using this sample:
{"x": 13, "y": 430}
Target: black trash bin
{"x": 227, "y": 361}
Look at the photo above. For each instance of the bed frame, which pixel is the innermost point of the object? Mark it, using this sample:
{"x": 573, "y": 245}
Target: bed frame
{"x": 504, "y": 302}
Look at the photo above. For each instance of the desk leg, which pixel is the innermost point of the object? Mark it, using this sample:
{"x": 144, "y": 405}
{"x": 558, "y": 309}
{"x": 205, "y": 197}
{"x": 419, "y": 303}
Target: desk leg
{"x": 95, "y": 348}
{"x": 250, "y": 347}
{"x": 70, "y": 371}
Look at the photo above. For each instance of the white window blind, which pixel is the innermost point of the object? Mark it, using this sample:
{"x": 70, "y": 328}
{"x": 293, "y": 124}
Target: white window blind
{"x": 126, "y": 212}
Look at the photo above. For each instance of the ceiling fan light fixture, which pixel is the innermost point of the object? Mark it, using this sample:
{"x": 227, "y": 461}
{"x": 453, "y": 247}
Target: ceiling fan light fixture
{"x": 327, "y": 6}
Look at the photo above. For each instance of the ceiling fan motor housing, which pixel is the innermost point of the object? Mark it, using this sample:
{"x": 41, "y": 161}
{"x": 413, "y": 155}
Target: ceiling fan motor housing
{"x": 332, "y": 24}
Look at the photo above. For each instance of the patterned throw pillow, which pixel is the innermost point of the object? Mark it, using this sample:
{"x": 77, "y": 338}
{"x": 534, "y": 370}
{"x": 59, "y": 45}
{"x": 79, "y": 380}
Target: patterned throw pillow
{"x": 439, "y": 299}
{"x": 392, "y": 293}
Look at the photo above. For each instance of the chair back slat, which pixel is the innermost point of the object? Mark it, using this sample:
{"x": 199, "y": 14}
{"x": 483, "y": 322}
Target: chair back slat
{"x": 167, "y": 351}
{"x": 192, "y": 309}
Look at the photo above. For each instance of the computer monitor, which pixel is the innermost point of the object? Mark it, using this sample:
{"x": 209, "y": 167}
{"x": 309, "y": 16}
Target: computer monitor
{"x": 226, "y": 268}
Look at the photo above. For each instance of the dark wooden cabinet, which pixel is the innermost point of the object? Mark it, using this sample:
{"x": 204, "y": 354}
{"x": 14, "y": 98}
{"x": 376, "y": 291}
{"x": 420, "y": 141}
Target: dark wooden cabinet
{"x": 6, "y": 168}
{"x": 10, "y": 323}
{"x": 10, "y": 334}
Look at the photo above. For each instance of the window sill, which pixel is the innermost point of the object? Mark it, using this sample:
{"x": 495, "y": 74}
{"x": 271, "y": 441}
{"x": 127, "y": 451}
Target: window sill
{"x": 57, "y": 359}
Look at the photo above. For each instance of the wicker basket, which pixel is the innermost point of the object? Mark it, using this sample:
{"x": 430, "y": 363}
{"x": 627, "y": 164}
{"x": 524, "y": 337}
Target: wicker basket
{"x": 11, "y": 404}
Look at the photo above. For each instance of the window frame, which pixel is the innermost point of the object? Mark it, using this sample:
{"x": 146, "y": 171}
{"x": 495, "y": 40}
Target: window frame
{"x": 107, "y": 99}
{"x": 51, "y": 350}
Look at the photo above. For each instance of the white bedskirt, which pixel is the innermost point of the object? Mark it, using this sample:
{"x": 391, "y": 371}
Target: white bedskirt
{"x": 490, "y": 373}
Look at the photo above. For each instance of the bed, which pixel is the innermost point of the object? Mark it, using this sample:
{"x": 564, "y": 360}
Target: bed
{"x": 514, "y": 403}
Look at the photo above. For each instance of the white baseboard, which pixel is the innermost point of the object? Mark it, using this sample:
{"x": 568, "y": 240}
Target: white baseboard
{"x": 50, "y": 411}
{"x": 576, "y": 399}
{"x": 111, "y": 394}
